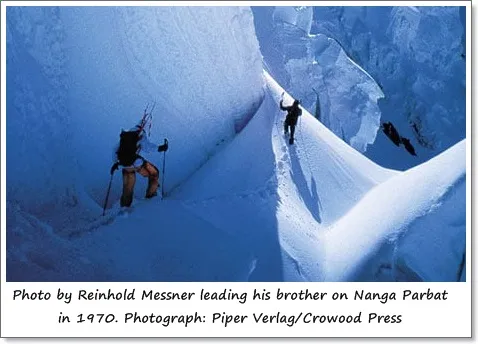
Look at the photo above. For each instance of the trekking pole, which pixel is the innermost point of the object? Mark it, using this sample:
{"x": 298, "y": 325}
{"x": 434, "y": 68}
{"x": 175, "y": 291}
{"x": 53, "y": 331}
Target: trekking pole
{"x": 164, "y": 168}
{"x": 107, "y": 195}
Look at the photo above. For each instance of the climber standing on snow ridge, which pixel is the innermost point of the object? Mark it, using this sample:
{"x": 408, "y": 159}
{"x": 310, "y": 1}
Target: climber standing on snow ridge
{"x": 293, "y": 113}
{"x": 126, "y": 154}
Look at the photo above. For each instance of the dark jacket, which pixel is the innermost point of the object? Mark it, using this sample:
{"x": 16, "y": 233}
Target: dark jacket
{"x": 408, "y": 146}
{"x": 391, "y": 132}
{"x": 293, "y": 113}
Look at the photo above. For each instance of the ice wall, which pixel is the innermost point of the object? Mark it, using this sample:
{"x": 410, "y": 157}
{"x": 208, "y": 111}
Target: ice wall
{"x": 417, "y": 54}
{"x": 41, "y": 171}
{"x": 300, "y": 16}
{"x": 78, "y": 75}
{"x": 316, "y": 70}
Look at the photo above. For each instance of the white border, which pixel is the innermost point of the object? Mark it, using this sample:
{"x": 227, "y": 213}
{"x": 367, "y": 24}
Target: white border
{"x": 464, "y": 288}
{"x": 427, "y": 318}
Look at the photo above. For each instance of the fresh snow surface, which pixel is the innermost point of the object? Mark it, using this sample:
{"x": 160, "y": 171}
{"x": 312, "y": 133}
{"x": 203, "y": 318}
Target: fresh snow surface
{"x": 254, "y": 208}
{"x": 419, "y": 228}
{"x": 261, "y": 210}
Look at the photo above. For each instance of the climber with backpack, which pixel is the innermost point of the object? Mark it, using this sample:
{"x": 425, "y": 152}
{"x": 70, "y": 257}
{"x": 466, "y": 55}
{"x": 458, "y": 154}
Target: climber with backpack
{"x": 126, "y": 154}
{"x": 293, "y": 113}
{"x": 389, "y": 129}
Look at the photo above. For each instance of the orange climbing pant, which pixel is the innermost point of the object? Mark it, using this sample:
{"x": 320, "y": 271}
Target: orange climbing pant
{"x": 147, "y": 170}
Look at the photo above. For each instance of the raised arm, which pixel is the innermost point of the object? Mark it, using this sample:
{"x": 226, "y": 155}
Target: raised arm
{"x": 284, "y": 108}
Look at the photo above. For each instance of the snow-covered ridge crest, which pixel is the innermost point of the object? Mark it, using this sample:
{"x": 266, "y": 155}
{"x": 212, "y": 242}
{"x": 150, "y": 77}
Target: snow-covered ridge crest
{"x": 317, "y": 70}
{"x": 417, "y": 233}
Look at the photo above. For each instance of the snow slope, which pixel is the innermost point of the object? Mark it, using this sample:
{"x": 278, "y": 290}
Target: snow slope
{"x": 326, "y": 218}
{"x": 159, "y": 241}
{"x": 418, "y": 231}
{"x": 261, "y": 210}
{"x": 282, "y": 198}
{"x": 253, "y": 208}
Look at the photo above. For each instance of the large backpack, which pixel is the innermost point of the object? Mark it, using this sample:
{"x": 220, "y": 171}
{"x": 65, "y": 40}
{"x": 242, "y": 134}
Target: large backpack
{"x": 127, "y": 151}
{"x": 294, "y": 114}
